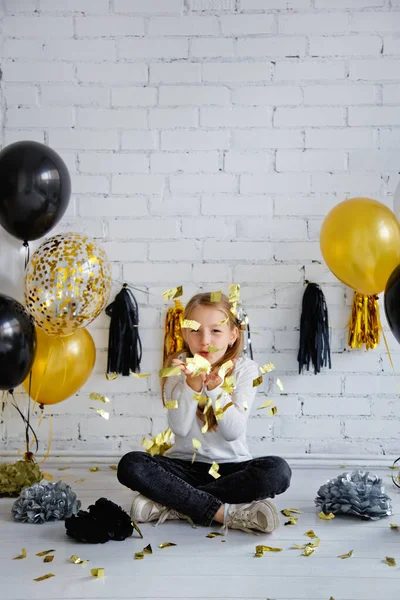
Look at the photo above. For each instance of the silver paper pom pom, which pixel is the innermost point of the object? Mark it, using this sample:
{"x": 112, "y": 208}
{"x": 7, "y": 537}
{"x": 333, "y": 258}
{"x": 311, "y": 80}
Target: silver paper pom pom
{"x": 45, "y": 502}
{"x": 357, "y": 493}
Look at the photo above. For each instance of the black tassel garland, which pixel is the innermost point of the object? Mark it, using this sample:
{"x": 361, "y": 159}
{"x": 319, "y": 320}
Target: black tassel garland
{"x": 124, "y": 345}
{"x": 314, "y": 331}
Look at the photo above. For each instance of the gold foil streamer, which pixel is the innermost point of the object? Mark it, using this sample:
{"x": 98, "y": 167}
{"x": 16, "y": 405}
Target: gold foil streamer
{"x": 212, "y": 349}
{"x": 224, "y": 368}
{"x": 267, "y": 368}
{"x": 292, "y": 521}
{"x": 197, "y": 364}
{"x": 158, "y": 444}
{"x": 114, "y": 467}
{"x": 166, "y": 545}
{"x": 172, "y": 293}
{"x": 348, "y": 555}
{"x": 94, "y": 469}
{"x": 97, "y": 573}
{"x": 196, "y": 445}
{"x": 148, "y": 549}
{"x": 45, "y": 552}
{"x": 390, "y": 561}
{"x": 234, "y": 293}
{"x": 67, "y": 283}
{"x": 228, "y": 385}
{"x": 214, "y": 470}
{"x": 308, "y": 550}
{"x": 272, "y": 411}
{"x": 258, "y": 381}
{"x": 99, "y": 397}
{"x": 261, "y": 549}
{"x": 23, "y": 555}
{"x": 139, "y": 555}
{"x": 265, "y": 404}
{"x": 77, "y": 561}
{"x": 136, "y": 528}
{"x": 364, "y": 325}
{"x": 224, "y": 321}
{"x": 279, "y": 384}
{"x": 170, "y": 371}
{"x": 394, "y": 526}
{"x": 171, "y": 404}
{"x": 213, "y": 534}
{"x": 219, "y": 412}
{"x": 101, "y": 412}
{"x": 190, "y": 324}
{"x": 139, "y": 375}
{"x": 215, "y": 296}
{"x": 310, "y": 533}
{"x": 111, "y": 376}
{"x": 202, "y": 399}
{"x": 325, "y": 517}
{"x": 43, "y": 577}
{"x": 173, "y": 338}
{"x": 49, "y": 558}
{"x": 288, "y": 512}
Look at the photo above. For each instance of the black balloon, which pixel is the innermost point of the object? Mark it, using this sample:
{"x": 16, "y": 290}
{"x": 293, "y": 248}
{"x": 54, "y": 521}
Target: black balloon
{"x": 35, "y": 188}
{"x": 392, "y": 303}
{"x": 17, "y": 343}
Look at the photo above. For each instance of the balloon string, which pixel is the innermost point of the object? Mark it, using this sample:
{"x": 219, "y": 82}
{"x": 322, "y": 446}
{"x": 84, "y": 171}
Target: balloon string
{"x": 27, "y": 253}
{"x": 65, "y": 364}
{"x": 50, "y": 439}
{"x": 26, "y": 422}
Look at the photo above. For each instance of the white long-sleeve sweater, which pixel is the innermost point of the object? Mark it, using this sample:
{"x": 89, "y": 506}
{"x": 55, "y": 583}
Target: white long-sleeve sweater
{"x": 228, "y": 442}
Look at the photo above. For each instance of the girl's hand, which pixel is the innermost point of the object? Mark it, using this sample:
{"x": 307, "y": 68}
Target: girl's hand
{"x": 197, "y": 382}
{"x": 213, "y": 380}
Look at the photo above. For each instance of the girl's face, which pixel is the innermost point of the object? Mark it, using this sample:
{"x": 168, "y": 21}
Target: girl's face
{"x": 210, "y": 333}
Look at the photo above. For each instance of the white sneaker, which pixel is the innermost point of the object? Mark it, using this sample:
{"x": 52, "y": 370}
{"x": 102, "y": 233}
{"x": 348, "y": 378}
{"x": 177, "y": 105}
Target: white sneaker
{"x": 260, "y": 515}
{"x": 144, "y": 510}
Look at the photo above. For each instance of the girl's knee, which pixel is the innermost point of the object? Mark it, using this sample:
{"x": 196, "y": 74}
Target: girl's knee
{"x": 128, "y": 467}
{"x": 277, "y": 472}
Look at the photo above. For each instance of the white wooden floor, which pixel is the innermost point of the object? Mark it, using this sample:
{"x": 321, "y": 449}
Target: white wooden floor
{"x": 199, "y": 567}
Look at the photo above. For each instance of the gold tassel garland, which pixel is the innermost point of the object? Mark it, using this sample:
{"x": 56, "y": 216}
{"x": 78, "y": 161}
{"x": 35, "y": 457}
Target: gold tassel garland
{"x": 365, "y": 324}
{"x": 173, "y": 340}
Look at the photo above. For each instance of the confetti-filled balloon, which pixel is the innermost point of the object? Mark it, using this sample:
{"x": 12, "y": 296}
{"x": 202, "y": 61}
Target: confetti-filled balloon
{"x": 67, "y": 283}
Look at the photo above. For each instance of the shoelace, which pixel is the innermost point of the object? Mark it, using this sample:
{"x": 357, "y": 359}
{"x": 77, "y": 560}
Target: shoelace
{"x": 170, "y": 512}
{"x": 242, "y": 518}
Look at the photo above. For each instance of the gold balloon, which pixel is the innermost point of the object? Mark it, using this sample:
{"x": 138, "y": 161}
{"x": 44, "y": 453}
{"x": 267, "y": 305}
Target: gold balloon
{"x": 360, "y": 242}
{"x": 61, "y": 367}
{"x": 67, "y": 283}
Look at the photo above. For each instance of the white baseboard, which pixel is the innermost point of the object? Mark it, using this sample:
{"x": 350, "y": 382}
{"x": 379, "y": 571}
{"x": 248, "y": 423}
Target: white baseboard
{"x": 295, "y": 460}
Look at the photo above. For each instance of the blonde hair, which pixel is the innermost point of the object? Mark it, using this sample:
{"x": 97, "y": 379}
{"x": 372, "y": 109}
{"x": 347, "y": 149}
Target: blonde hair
{"x": 232, "y": 352}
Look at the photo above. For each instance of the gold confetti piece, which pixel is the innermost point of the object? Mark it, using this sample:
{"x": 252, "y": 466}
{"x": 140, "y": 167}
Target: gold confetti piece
{"x": 170, "y": 371}
{"x": 49, "y": 558}
{"x": 103, "y": 413}
{"x": 348, "y": 555}
{"x": 43, "y": 577}
{"x": 219, "y": 412}
{"x": 136, "y": 528}
{"x": 325, "y": 517}
{"x": 342, "y": 467}
{"x": 266, "y": 404}
{"x": 23, "y": 555}
{"x": 258, "y": 381}
{"x": 223, "y": 540}
{"x": 279, "y": 384}
{"x": 215, "y": 296}
{"x": 166, "y": 544}
{"x": 234, "y": 293}
{"x": 172, "y": 293}
{"x": 77, "y": 561}
{"x": 63, "y": 468}
{"x": 224, "y": 368}
{"x": 292, "y": 521}
{"x": 201, "y": 399}
{"x": 80, "y": 480}
{"x": 148, "y": 549}
{"x": 213, "y": 534}
{"x": 197, "y": 364}
{"x": 228, "y": 385}
{"x": 245, "y": 405}
{"x": 45, "y": 552}
{"x": 94, "y": 469}
{"x": 310, "y": 533}
{"x": 393, "y": 467}
{"x": 97, "y": 573}
{"x": 272, "y": 411}
{"x": 261, "y": 549}
{"x": 47, "y": 476}
{"x": 287, "y": 512}
{"x": 299, "y": 546}
{"x": 171, "y": 404}
{"x": 394, "y": 526}
{"x": 114, "y": 467}
{"x": 390, "y": 561}
{"x": 190, "y": 324}
{"x": 111, "y": 376}
{"x": 308, "y": 550}
{"x": 139, "y": 375}
{"x": 267, "y": 368}
{"x": 212, "y": 349}
{"x": 224, "y": 321}
{"x": 196, "y": 445}
{"x": 214, "y": 470}
{"x": 158, "y": 444}
{"x": 139, "y": 555}
{"x": 99, "y": 397}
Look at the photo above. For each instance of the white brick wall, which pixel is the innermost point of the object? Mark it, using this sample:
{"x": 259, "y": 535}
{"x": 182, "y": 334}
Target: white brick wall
{"x": 207, "y": 140}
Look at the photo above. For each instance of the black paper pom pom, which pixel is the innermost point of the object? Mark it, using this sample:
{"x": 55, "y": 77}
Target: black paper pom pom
{"x": 103, "y": 521}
